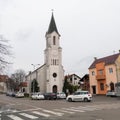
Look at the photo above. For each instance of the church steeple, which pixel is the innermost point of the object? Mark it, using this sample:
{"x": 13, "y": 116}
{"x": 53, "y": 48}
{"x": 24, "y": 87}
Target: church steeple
{"x": 52, "y": 26}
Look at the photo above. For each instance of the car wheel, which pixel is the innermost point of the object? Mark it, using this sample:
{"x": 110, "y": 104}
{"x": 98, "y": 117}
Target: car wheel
{"x": 69, "y": 99}
{"x": 48, "y": 98}
{"x": 85, "y": 100}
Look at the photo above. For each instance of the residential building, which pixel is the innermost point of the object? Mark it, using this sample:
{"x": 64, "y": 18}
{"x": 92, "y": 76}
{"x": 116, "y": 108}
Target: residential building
{"x": 85, "y": 83}
{"x": 50, "y": 76}
{"x": 104, "y": 73}
{"x": 73, "y": 79}
{"x": 3, "y": 80}
{"x": 23, "y": 86}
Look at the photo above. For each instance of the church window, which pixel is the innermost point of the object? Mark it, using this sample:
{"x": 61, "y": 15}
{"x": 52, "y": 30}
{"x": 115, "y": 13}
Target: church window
{"x": 54, "y": 75}
{"x": 55, "y": 61}
{"x": 54, "y": 40}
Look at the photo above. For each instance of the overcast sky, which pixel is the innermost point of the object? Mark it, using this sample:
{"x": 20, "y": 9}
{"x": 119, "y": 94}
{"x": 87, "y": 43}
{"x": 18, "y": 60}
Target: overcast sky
{"x": 88, "y": 29}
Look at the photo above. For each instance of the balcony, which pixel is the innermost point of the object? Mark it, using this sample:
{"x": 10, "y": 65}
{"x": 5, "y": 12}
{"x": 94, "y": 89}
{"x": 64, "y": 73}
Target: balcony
{"x": 100, "y": 77}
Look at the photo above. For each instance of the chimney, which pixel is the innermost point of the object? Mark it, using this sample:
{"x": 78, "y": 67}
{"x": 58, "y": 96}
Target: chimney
{"x": 95, "y": 58}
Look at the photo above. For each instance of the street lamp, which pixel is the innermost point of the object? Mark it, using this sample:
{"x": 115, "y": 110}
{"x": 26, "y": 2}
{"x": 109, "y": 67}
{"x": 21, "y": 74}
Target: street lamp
{"x": 34, "y": 66}
{"x": 33, "y": 84}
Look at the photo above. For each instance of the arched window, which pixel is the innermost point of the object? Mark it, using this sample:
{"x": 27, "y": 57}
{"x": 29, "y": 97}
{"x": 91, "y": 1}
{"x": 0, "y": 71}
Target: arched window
{"x": 54, "y": 40}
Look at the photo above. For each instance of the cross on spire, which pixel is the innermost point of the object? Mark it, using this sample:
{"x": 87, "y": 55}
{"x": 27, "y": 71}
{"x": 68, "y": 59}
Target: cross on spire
{"x": 52, "y": 10}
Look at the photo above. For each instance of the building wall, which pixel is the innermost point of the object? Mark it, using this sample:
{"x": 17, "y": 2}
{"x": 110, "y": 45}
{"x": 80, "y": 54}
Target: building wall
{"x": 53, "y": 60}
{"x": 3, "y": 88}
{"x": 73, "y": 79}
{"x": 118, "y": 68}
{"x": 41, "y": 78}
{"x": 110, "y": 77}
{"x": 106, "y": 78}
{"x": 93, "y": 81}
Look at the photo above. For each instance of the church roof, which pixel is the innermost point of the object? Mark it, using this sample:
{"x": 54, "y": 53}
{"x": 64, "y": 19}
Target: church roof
{"x": 52, "y": 26}
{"x": 107, "y": 60}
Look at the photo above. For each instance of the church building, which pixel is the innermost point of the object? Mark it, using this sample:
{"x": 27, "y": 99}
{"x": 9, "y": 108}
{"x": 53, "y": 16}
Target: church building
{"x": 49, "y": 76}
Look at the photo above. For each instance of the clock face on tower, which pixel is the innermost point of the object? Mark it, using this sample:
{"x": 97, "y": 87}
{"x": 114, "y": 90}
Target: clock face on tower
{"x": 54, "y": 75}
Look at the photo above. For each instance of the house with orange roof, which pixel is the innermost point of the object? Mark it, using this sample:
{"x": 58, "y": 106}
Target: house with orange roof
{"x": 104, "y": 73}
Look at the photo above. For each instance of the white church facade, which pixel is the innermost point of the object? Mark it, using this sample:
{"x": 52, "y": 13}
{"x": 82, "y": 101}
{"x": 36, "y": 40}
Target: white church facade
{"x": 49, "y": 76}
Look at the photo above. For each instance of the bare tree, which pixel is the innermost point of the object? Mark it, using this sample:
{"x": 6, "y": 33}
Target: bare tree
{"x": 4, "y": 53}
{"x": 18, "y": 76}
{"x": 14, "y": 82}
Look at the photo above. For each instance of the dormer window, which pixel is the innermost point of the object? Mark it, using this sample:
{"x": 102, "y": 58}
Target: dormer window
{"x": 54, "y": 40}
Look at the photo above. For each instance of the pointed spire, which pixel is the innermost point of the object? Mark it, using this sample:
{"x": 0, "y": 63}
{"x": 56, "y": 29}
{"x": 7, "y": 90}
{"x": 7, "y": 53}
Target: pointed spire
{"x": 52, "y": 25}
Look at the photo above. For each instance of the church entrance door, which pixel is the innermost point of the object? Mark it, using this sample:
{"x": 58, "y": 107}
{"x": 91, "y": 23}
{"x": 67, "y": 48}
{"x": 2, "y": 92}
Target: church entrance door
{"x": 55, "y": 89}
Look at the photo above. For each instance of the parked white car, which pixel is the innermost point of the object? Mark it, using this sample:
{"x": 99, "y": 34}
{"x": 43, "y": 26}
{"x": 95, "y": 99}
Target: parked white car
{"x": 111, "y": 93}
{"x": 61, "y": 95}
{"x": 19, "y": 94}
{"x": 37, "y": 96}
{"x": 80, "y": 96}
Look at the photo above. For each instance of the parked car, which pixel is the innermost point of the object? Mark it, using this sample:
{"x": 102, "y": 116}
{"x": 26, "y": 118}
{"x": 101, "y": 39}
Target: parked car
{"x": 61, "y": 95}
{"x": 111, "y": 93}
{"x": 50, "y": 96}
{"x": 37, "y": 96}
{"x": 8, "y": 93}
{"x": 80, "y": 96}
{"x": 19, "y": 95}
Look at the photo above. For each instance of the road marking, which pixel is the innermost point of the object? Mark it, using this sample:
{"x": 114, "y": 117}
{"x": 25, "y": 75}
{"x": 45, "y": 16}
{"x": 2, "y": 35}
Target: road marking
{"x": 31, "y": 109}
{"x": 28, "y": 116}
{"x": 42, "y": 114}
{"x": 52, "y": 112}
{"x": 83, "y": 108}
{"x": 73, "y": 110}
{"x": 13, "y": 117}
{"x": 64, "y": 111}
{"x": 92, "y": 107}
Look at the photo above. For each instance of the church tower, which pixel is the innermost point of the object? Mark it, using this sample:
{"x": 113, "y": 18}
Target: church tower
{"x": 53, "y": 59}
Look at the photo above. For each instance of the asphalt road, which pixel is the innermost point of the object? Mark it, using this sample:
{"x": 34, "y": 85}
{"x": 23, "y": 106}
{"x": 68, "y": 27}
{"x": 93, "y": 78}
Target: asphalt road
{"x": 101, "y": 108}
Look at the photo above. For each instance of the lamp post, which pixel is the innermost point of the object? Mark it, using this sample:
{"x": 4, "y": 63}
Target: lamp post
{"x": 34, "y": 67}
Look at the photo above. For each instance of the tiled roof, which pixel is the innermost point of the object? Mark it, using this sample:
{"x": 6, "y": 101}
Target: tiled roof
{"x": 69, "y": 76}
{"x": 107, "y": 60}
{"x": 23, "y": 84}
{"x": 86, "y": 76}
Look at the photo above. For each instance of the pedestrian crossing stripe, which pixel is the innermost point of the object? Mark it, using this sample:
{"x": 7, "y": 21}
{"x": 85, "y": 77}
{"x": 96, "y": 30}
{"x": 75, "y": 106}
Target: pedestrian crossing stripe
{"x": 52, "y": 112}
{"x": 14, "y": 117}
{"x": 58, "y": 112}
{"x": 41, "y": 114}
{"x": 84, "y": 108}
{"x": 70, "y": 109}
{"x": 28, "y": 115}
{"x": 64, "y": 111}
